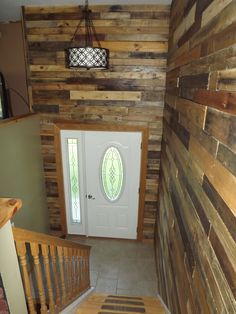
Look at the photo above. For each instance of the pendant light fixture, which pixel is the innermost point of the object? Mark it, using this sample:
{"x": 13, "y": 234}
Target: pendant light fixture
{"x": 87, "y": 56}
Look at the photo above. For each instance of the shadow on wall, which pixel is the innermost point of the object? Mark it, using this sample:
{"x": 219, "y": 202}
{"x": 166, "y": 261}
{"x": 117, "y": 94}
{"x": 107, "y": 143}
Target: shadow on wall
{"x": 12, "y": 66}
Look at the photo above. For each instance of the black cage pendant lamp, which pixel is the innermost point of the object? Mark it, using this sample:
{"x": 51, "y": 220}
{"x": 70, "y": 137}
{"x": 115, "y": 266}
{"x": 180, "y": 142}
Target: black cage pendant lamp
{"x": 87, "y": 56}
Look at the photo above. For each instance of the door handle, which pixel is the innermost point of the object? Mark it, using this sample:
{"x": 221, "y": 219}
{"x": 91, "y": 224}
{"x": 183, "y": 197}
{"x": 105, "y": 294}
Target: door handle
{"x": 90, "y": 197}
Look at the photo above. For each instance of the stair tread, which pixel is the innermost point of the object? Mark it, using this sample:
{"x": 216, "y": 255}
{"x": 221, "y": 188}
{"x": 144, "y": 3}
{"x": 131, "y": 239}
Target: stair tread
{"x": 99, "y": 303}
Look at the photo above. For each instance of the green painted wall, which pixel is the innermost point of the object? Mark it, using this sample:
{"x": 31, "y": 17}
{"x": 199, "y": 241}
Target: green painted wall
{"x": 21, "y": 171}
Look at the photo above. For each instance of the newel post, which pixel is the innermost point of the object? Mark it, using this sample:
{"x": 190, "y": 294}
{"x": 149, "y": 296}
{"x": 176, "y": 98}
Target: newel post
{"x": 9, "y": 267}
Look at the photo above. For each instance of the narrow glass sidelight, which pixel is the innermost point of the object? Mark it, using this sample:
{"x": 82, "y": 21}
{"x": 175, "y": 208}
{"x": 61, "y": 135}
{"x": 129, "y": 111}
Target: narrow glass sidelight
{"x": 112, "y": 174}
{"x": 74, "y": 180}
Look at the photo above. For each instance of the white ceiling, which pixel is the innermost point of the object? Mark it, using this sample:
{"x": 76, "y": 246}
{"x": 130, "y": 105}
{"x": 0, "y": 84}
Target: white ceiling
{"x": 10, "y": 10}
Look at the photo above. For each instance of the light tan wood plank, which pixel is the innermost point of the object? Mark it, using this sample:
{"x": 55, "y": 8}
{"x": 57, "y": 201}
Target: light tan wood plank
{"x": 105, "y": 95}
{"x": 213, "y": 9}
{"x": 223, "y": 181}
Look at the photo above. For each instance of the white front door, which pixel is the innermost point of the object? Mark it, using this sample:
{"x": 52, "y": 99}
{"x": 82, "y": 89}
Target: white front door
{"x": 112, "y": 175}
{"x": 109, "y": 171}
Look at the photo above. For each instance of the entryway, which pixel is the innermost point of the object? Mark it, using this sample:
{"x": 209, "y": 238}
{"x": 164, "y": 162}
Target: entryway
{"x": 101, "y": 178}
{"x": 121, "y": 267}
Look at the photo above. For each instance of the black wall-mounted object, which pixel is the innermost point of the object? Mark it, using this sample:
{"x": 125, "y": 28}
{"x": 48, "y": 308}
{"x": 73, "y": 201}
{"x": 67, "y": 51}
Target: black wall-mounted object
{"x": 4, "y": 99}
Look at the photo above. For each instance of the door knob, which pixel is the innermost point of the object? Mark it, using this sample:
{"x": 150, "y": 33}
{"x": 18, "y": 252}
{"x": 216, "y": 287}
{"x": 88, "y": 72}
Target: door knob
{"x": 90, "y": 197}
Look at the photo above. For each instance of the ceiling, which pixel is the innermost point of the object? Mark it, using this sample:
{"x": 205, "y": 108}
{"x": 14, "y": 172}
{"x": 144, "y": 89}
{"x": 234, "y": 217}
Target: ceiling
{"x": 10, "y": 10}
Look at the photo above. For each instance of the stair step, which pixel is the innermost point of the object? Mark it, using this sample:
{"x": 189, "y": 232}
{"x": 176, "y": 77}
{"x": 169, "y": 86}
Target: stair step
{"x": 98, "y": 303}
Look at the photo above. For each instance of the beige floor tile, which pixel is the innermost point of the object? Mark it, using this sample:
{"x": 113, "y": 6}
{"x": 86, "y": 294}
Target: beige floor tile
{"x": 122, "y": 267}
{"x": 109, "y": 271}
{"x": 106, "y": 285}
{"x": 148, "y": 288}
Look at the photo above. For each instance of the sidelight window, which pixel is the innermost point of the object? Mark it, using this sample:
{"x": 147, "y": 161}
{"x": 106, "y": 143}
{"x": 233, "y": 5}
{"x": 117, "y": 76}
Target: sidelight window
{"x": 74, "y": 179}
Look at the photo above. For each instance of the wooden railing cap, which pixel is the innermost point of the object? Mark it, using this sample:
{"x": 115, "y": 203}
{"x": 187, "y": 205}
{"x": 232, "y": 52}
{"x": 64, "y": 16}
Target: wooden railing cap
{"x": 42, "y": 238}
{"x": 8, "y": 207}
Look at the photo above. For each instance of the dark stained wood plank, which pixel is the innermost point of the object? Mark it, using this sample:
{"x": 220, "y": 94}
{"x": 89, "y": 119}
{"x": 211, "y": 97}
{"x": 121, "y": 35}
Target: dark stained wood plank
{"x": 227, "y": 267}
{"x": 227, "y": 158}
{"x": 194, "y": 81}
{"x": 221, "y": 207}
{"x": 184, "y": 235}
{"x": 201, "y": 6}
{"x": 222, "y": 126}
{"x": 181, "y": 132}
{"x": 43, "y": 108}
{"x": 192, "y": 30}
{"x": 199, "y": 208}
{"x": 218, "y": 99}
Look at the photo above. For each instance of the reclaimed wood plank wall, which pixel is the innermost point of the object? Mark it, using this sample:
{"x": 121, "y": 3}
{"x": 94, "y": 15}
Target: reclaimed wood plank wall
{"x": 196, "y": 225}
{"x": 131, "y": 92}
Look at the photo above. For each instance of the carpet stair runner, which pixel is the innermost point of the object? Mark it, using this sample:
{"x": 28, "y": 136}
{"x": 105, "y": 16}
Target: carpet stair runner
{"x": 97, "y": 303}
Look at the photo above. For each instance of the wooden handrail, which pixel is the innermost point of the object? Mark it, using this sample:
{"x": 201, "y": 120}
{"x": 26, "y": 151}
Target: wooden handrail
{"x": 42, "y": 238}
{"x": 55, "y": 271}
{"x": 8, "y": 207}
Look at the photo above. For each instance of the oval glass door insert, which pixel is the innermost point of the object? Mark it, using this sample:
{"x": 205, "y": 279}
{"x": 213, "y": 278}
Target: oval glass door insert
{"x": 112, "y": 174}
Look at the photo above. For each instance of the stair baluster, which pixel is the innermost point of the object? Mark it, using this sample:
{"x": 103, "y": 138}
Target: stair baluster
{"x": 39, "y": 279}
{"x": 21, "y": 251}
{"x": 45, "y": 252}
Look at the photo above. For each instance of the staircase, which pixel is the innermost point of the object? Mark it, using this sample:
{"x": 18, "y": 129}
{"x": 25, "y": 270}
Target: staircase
{"x": 113, "y": 304}
{"x": 55, "y": 272}
{"x": 55, "y": 275}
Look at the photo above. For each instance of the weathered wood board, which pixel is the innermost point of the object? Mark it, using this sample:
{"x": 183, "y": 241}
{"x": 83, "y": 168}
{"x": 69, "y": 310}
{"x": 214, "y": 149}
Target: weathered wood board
{"x": 196, "y": 221}
{"x": 130, "y": 92}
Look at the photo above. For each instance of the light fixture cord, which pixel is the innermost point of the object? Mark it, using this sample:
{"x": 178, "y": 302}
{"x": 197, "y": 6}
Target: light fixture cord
{"x": 87, "y": 21}
{"x": 89, "y": 28}
{"x": 76, "y": 30}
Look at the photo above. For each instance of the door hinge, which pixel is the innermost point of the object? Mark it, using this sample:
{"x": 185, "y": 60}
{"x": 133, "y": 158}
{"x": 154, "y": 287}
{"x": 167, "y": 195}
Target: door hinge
{"x": 141, "y": 145}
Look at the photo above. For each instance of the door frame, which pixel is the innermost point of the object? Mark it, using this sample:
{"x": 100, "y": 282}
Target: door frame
{"x": 73, "y": 125}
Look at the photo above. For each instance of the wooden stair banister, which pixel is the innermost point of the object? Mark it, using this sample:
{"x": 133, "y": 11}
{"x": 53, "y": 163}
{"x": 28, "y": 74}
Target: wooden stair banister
{"x": 60, "y": 270}
{"x": 8, "y": 207}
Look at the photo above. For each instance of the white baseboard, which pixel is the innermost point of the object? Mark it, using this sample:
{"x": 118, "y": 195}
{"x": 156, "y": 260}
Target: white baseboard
{"x": 70, "y": 309}
{"x": 164, "y": 305}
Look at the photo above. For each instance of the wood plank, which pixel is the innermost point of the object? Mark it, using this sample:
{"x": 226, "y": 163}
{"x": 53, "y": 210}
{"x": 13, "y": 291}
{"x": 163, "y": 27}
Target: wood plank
{"x": 198, "y": 290}
{"x": 223, "y": 181}
{"x": 213, "y": 9}
{"x": 228, "y": 268}
{"x": 221, "y": 100}
{"x": 221, "y": 126}
{"x": 223, "y": 210}
{"x": 96, "y": 8}
{"x": 106, "y": 95}
{"x": 225, "y": 38}
{"x": 198, "y": 81}
{"x": 122, "y": 30}
{"x": 227, "y": 80}
{"x": 219, "y": 23}
{"x": 227, "y": 158}
{"x": 194, "y": 112}
{"x": 185, "y": 24}
{"x": 99, "y": 23}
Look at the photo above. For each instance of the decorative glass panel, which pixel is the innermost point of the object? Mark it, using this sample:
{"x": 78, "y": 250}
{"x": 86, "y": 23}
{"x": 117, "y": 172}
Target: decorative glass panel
{"x": 112, "y": 173}
{"x": 74, "y": 179}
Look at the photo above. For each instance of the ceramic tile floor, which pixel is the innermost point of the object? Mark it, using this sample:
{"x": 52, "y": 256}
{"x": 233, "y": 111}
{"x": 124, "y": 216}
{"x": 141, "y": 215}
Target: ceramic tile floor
{"x": 122, "y": 267}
